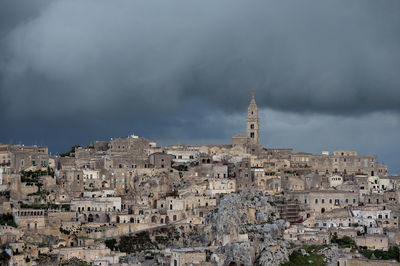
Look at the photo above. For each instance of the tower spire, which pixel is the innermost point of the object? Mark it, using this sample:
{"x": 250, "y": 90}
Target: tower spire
{"x": 253, "y": 123}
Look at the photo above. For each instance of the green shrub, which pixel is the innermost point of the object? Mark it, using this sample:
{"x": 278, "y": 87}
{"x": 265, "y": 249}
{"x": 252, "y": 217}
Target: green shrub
{"x": 344, "y": 242}
{"x": 7, "y": 219}
{"x": 296, "y": 259}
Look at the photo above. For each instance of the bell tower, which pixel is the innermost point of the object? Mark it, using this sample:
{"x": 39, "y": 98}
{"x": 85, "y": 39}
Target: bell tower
{"x": 253, "y": 122}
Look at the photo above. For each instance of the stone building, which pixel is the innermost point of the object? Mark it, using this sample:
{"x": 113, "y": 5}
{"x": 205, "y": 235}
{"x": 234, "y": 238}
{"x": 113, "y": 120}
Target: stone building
{"x": 186, "y": 256}
{"x": 243, "y": 175}
{"x": 20, "y": 157}
{"x": 373, "y": 241}
{"x": 220, "y": 186}
{"x": 320, "y": 201}
{"x": 346, "y": 163}
{"x": 160, "y": 160}
{"x": 184, "y": 155}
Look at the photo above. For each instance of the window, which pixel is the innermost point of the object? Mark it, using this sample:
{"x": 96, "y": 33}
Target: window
{"x": 323, "y": 201}
{"x": 252, "y": 126}
{"x": 252, "y": 135}
{"x": 34, "y": 163}
{"x": 316, "y": 201}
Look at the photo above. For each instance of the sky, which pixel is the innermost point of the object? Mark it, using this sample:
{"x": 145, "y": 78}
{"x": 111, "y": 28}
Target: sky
{"x": 325, "y": 73}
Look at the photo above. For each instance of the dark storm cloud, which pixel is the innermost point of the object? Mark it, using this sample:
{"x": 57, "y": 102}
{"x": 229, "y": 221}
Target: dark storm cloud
{"x": 13, "y": 13}
{"x": 325, "y": 72}
{"x": 95, "y": 57}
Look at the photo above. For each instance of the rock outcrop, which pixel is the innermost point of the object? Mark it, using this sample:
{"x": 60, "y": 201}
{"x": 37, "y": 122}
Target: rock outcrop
{"x": 247, "y": 229}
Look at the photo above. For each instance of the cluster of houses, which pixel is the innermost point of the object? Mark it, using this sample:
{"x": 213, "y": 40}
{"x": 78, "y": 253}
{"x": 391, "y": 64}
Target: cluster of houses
{"x": 65, "y": 207}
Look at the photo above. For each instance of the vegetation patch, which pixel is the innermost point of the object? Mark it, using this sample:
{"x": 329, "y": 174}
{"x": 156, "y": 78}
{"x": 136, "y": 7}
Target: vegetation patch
{"x": 180, "y": 167}
{"x": 4, "y": 257}
{"x": 392, "y": 253}
{"x": 314, "y": 259}
{"x": 144, "y": 241}
{"x": 5, "y": 193}
{"x": 7, "y": 219}
{"x": 344, "y": 242}
{"x": 296, "y": 259}
{"x": 70, "y": 153}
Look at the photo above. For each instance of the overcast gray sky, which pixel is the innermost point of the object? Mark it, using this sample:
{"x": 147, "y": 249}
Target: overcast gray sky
{"x": 325, "y": 73}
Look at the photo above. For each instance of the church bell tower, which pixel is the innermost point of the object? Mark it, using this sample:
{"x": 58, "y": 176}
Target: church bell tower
{"x": 253, "y": 122}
